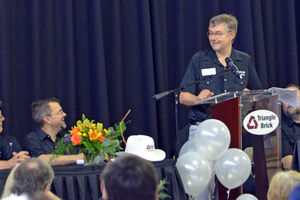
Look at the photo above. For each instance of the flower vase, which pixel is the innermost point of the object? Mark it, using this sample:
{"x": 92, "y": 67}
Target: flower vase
{"x": 89, "y": 159}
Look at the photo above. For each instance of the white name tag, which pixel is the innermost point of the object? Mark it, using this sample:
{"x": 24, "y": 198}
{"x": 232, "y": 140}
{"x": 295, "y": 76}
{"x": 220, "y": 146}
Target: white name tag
{"x": 208, "y": 72}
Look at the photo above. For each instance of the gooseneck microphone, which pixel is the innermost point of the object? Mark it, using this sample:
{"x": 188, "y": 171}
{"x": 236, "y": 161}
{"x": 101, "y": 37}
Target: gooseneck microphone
{"x": 233, "y": 67}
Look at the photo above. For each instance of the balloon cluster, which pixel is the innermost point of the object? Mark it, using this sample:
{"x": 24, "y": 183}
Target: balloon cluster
{"x": 210, "y": 145}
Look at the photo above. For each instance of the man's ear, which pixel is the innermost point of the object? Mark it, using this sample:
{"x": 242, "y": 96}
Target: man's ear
{"x": 103, "y": 191}
{"x": 47, "y": 119}
{"x": 232, "y": 35}
{"x": 47, "y": 188}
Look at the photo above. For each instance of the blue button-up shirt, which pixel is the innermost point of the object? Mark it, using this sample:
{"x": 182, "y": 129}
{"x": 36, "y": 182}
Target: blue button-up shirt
{"x": 224, "y": 81}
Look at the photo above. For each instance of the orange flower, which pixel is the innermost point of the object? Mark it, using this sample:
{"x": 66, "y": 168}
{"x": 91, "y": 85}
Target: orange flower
{"x": 93, "y": 135}
{"x": 74, "y": 130}
{"x": 101, "y": 138}
{"x": 76, "y": 139}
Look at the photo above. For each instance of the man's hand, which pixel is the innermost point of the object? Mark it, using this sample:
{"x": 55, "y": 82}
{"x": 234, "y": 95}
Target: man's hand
{"x": 189, "y": 99}
{"x": 204, "y": 94}
{"x": 17, "y": 158}
{"x": 246, "y": 89}
{"x": 287, "y": 162}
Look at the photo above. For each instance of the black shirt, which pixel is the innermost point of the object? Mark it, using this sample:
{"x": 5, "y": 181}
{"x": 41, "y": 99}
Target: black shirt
{"x": 8, "y": 145}
{"x": 39, "y": 142}
{"x": 205, "y": 61}
{"x": 290, "y": 133}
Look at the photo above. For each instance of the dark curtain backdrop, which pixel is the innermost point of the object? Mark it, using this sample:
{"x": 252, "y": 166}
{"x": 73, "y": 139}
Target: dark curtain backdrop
{"x": 104, "y": 57}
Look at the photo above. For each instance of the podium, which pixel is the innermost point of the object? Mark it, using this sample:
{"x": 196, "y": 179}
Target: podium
{"x": 264, "y": 150}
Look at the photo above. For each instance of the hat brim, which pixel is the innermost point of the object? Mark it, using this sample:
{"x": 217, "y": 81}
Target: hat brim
{"x": 158, "y": 155}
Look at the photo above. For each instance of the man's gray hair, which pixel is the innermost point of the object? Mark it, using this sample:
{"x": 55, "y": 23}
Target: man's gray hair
{"x": 31, "y": 177}
{"x": 40, "y": 109}
{"x": 230, "y": 22}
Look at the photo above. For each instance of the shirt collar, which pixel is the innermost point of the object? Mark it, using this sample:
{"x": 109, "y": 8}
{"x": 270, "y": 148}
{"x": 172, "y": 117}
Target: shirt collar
{"x": 41, "y": 134}
{"x": 235, "y": 56}
{"x": 213, "y": 56}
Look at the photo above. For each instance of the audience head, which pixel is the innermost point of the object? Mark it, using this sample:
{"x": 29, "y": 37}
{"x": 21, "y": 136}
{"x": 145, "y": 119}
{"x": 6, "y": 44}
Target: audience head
{"x": 32, "y": 177}
{"x": 43, "y": 110}
{"x": 282, "y": 184}
{"x": 289, "y": 110}
{"x": 229, "y": 21}
{"x": 129, "y": 177}
{"x": 2, "y": 118}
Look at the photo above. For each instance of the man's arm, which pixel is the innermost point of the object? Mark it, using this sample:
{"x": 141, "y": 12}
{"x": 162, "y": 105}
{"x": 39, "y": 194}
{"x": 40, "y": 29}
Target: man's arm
{"x": 61, "y": 159}
{"x": 189, "y": 99}
{"x": 17, "y": 158}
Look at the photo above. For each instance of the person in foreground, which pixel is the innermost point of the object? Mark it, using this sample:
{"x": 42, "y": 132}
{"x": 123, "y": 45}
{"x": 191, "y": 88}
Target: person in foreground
{"x": 290, "y": 130}
{"x": 10, "y": 149}
{"x": 50, "y": 120}
{"x": 129, "y": 177}
{"x": 282, "y": 183}
{"x": 32, "y": 180}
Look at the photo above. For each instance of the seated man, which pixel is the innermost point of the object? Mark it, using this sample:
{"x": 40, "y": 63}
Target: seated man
{"x": 129, "y": 177}
{"x": 32, "y": 180}
{"x": 50, "y": 119}
{"x": 10, "y": 150}
{"x": 290, "y": 130}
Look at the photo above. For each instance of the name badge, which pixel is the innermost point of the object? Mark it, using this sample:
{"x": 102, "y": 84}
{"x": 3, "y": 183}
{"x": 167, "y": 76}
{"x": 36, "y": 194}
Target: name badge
{"x": 208, "y": 72}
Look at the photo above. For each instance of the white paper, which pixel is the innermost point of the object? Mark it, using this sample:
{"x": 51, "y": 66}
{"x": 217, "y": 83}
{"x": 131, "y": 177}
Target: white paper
{"x": 80, "y": 162}
{"x": 288, "y": 96}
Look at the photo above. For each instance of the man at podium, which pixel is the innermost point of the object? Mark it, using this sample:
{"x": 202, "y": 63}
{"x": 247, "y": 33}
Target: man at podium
{"x": 222, "y": 69}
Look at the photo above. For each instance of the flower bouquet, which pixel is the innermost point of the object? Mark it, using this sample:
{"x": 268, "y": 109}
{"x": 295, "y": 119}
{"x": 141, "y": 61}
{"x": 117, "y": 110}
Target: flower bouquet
{"x": 94, "y": 141}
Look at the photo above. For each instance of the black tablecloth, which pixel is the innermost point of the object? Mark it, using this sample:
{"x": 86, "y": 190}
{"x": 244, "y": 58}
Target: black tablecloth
{"x": 74, "y": 182}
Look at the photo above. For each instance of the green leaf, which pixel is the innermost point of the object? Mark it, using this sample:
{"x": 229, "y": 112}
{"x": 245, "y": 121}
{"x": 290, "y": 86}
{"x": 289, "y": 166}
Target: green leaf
{"x": 106, "y": 142}
{"x": 98, "y": 159}
{"x": 102, "y": 156}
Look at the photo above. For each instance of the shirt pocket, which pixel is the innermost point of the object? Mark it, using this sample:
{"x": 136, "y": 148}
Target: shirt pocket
{"x": 211, "y": 84}
{"x": 240, "y": 84}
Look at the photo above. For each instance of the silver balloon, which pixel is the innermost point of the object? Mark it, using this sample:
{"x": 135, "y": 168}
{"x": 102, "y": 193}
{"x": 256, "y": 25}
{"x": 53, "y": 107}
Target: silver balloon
{"x": 189, "y": 146}
{"x": 233, "y": 168}
{"x": 246, "y": 197}
{"x": 212, "y": 138}
{"x": 194, "y": 171}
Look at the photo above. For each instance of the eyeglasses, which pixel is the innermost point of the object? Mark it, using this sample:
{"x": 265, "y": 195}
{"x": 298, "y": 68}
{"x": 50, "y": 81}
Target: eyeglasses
{"x": 58, "y": 113}
{"x": 218, "y": 34}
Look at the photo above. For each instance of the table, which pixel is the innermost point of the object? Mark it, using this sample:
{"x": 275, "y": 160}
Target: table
{"x": 74, "y": 182}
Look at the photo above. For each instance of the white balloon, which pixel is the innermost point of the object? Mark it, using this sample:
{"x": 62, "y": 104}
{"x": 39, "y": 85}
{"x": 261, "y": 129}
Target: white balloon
{"x": 246, "y": 197}
{"x": 212, "y": 138}
{"x": 195, "y": 172}
{"x": 189, "y": 146}
{"x": 233, "y": 168}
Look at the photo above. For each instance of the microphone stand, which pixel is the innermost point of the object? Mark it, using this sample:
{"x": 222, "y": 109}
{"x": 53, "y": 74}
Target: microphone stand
{"x": 175, "y": 92}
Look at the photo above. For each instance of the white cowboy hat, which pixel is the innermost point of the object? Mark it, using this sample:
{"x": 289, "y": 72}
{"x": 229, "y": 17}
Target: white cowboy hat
{"x": 143, "y": 146}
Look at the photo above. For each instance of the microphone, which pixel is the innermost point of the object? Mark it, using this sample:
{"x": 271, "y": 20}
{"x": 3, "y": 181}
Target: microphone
{"x": 233, "y": 67}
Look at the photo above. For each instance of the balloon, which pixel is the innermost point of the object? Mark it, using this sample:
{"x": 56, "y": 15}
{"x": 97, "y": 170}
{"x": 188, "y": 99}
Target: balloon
{"x": 212, "y": 138}
{"x": 246, "y": 197}
{"x": 195, "y": 172}
{"x": 233, "y": 168}
{"x": 189, "y": 146}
